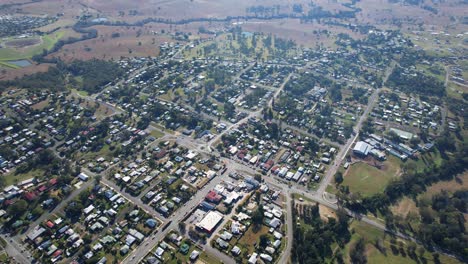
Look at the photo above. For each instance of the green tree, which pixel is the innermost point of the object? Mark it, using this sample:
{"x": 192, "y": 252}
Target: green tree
{"x": 339, "y": 177}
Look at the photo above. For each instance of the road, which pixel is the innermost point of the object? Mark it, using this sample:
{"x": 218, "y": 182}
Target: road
{"x": 254, "y": 114}
{"x": 175, "y": 219}
{"x": 344, "y": 150}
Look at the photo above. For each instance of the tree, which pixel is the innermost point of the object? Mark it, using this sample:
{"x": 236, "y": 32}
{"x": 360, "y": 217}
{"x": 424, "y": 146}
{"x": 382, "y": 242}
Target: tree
{"x": 18, "y": 208}
{"x": 264, "y": 240}
{"x": 257, "y": 219}
{"x": 357, "y": 253}
{"x": 229, "y": 109}
{"x": 339, "y": 177}
{"x": 74, "y": 209}
{"x": 97, "y": 179}
{"x": 258, "y": 177}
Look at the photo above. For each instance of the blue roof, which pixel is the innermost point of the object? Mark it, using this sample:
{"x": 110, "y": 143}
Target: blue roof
{"x": 151, "y": 223}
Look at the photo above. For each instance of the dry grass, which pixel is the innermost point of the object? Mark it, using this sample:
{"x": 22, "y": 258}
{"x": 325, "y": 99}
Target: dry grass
{"x": 10, "y": 74}
{"x": 461, "y": 182}
{"x": 106, "y": 47}
{"x": 405, "y": 206}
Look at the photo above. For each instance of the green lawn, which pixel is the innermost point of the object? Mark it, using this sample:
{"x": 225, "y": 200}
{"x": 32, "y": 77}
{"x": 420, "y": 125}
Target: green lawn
{"x": 369, "y": 180}
{"x": 13, "y": 178}
{"x": 48, "y": 41}
{"x": 4, "y": 258}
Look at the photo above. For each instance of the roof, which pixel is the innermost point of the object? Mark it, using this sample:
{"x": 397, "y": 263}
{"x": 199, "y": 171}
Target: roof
{"x": 38, "y": 230}
{"x": 362, "y": 147}
{"x": 210, "y": 221}
{"x": 212, "y": 196}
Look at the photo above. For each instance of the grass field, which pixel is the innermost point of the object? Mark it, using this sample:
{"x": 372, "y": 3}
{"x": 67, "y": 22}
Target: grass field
{"x": 371, "y": 234}
{"x": 47, "y": 42}
{"x": 369, "y": 180}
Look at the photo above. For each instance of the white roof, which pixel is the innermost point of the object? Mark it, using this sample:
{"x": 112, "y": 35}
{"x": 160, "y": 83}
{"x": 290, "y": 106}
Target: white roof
{"x": 210, "y": 220}
{"x": 253, "y": 258}
{"x": 362, "y": 147}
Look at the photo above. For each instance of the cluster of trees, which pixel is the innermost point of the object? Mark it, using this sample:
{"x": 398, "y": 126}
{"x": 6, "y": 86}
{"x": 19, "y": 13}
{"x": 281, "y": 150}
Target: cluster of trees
{"x": 305, "y": 83}
{"x": 415, "y": 82}
{"x": 314, "y": 244}
{"x": 53, "y": 79}
{"x": 443, "y": 222}
{"x": 95, "y": 73}
{"x": 261, "y": 10}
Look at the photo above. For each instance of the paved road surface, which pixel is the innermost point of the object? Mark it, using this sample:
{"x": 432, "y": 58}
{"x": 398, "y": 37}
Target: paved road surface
{"x": 177, "y": 217}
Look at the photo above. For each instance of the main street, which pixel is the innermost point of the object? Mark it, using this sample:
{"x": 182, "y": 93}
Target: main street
{"x": 174, "y": 220}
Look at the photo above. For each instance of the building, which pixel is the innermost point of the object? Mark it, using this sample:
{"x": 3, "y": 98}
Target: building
{"x": 83, "y": 177}
{"x": 210, "y": 221}
{"x": 361, "y": 148}
{"x": 253, "y": 258}
{"x": 213, "y": 197}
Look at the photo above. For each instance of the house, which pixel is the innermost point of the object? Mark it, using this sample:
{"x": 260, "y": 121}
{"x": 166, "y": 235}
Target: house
{"x": 253, "y": 258}
{"x": 194, "y": 255}
{"x": 276, "y": 244}
{"x": 88, "y": 209}
{"x": 213, "y": 197}
{"x": 275, "y": 222}
{"x": 236, "y": 251}
{"x": 266, "y": 257}
{"x": 151, "y": 223}
{"x": 83, "y": 177}
{"x": 36, "y": 232}
{"x": 222, "y": 244}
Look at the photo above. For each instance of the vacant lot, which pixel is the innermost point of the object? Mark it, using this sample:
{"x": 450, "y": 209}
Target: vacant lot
{"x": 249, "y": 239}
{"x": 368, "y": 179}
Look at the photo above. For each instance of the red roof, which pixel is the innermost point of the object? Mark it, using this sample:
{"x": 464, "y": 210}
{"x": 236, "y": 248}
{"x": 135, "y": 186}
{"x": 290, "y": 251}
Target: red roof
{"x": 53, "y": 181}
{"x": 275, "y": 169}
{"x": 30, "y": 196}
{"x": 212, "y": 196}
{"x": 42, "y": 188}
{"x": 57, "y": 253}
{"x": 49, "y": 224}
{"x": 161, "y": 154}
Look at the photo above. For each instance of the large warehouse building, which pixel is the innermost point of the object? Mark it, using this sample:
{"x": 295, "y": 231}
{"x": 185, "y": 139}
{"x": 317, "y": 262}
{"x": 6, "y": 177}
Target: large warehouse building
{"x": 210, "y": 221}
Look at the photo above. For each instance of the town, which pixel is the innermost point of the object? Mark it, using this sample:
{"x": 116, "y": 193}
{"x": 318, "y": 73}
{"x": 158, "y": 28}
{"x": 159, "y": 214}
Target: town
{"x": 231, "y": 148}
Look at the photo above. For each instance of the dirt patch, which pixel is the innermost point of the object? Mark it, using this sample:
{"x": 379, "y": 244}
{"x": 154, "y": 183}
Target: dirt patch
{"x": 41, "y": 105}
{"x": 405, "y": 206}
{"x": 22, "y": 43}
{"x": 326, "y": 212}
{"x": 10, "y": 74}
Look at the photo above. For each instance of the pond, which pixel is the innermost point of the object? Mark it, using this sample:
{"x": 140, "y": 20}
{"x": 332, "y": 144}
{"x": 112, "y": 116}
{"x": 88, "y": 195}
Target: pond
{"x": 20, "y": 63}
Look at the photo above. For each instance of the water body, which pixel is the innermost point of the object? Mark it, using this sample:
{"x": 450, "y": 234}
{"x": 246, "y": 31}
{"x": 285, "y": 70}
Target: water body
{"x": 20, "y": 63}
{"x": 247, "y": 34}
